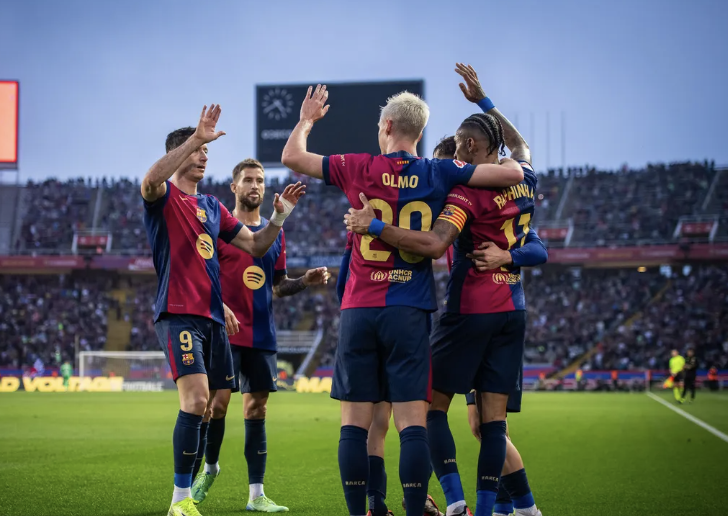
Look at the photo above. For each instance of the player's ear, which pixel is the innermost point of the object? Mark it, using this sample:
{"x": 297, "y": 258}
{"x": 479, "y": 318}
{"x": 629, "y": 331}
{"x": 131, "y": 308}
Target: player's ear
{"x": 389, "y": 123}
{"x": 419, "y": 137}
{"x": 232, "y": 187}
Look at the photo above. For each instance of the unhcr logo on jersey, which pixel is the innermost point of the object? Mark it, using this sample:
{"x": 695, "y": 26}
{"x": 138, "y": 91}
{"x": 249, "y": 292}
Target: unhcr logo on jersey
{"x": 254, "y": 277}
{"x": 393, "y": 276}
{"x": 506, "y": 278}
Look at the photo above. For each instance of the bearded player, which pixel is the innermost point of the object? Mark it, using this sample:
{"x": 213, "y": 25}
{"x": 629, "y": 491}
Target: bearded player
{"x": 387, "y": 290}
{"x": 479, "y": 342}
{"x": 183, "y": 228}
{"x": 249, "y": 284}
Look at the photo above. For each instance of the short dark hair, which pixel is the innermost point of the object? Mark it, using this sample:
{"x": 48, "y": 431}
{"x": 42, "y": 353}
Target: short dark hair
{"x": 246, "y": 163}
{"x": 491, "y": 127}
{"x": 178, "y": 137}
{"x": 445, "y": 146}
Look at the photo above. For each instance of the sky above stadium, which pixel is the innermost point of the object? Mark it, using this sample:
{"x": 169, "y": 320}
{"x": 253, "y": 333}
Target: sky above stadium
{"x": 102, "y": 82}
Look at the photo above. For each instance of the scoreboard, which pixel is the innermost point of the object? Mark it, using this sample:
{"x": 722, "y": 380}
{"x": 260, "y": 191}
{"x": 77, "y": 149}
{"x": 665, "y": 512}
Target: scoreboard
{"x": 349, "y": 126}
{"x": 9, "y": 94}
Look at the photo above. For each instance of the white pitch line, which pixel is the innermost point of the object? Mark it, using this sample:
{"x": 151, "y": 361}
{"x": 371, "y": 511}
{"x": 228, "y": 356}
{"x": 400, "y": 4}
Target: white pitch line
{"x": 689, "y": 417}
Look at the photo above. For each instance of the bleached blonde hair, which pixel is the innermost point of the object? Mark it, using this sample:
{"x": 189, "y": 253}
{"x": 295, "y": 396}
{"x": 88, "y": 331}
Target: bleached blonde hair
{"x": 408, "y": 113}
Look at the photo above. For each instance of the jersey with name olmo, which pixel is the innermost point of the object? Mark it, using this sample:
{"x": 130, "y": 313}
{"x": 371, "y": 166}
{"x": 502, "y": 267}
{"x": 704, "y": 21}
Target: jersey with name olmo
{"x": 502, "y": 216}
{"x": 183, "y": 231}
{"x": 405, "y": 191}
{"x": 247, "y": 289}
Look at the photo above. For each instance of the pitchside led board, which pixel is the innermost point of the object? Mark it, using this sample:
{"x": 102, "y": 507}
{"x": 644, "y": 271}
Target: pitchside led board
{"x": 349, "y": 126}
{"x": 9, "y": 93}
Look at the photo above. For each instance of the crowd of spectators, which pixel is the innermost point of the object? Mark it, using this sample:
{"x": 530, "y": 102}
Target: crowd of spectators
{"x": 632, "y": 319}
{"x": 615, "y": 207}
{"x": 54, "y": 210}
{"x": 635, "y": 206}
{"x": 570, "y": 309}
{"x": 41, "y": 317}
{"x": 691, "y": 312}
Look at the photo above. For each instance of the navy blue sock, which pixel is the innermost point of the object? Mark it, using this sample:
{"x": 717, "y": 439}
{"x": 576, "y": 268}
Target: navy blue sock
{"x": 414, "y": 468}
{"x": 377, "y": 486}
{"x": 215, "y": 433}
{"x": 503, "y": 503}
{"x": 200, "y": 448}
{"x": 354, "y": 468}
{"x": 185, "y": 440}
{"x": 256, "y": 449}
{"x": 442, "y": 452}
{"x": 490, "y": 464}
{"x": 520, "y": 492}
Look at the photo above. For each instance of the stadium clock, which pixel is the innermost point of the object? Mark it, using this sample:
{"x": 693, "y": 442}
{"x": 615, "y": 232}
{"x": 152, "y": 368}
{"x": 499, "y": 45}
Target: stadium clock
{"x": 277, "y": 104}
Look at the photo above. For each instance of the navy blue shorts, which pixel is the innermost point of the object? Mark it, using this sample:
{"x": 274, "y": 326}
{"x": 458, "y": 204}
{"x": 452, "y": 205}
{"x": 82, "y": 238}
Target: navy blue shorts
{"x": 383, "y": 355}
{"x": 479, "y": 351}
{"x": 195, "y": 344}
{"x": 256, "y": 370}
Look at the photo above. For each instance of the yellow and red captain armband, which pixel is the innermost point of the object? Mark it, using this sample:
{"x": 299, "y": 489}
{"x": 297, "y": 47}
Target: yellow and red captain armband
{"x": 455, "y": 215}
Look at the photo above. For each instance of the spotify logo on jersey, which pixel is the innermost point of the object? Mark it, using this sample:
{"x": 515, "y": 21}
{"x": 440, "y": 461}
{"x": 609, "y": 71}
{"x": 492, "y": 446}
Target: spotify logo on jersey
{"x": 254, "y": 277}
{"x": 204, "y": 246}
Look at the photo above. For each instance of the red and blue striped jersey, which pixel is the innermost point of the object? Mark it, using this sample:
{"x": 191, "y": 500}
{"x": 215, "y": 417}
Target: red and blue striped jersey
{"x": 247, "y": 289}
{"x": 501, "y": 216}
{"x": 183, "y": 232}
{"x": 408, "y": 192}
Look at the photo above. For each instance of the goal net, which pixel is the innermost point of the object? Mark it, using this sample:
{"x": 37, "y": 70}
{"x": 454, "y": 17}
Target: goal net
{"x": 141, "y": 370}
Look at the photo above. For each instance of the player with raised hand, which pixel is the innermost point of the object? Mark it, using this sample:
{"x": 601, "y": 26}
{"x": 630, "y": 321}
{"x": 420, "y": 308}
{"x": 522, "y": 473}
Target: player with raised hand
{"x": 387, "y": 291}
{"x": 249, "y": 284}
{"x": 478, "y": 343}
{"x": 183, "y": 228}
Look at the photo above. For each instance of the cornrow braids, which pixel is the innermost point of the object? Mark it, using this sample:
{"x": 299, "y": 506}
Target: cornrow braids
{"x": 491, "y": 128}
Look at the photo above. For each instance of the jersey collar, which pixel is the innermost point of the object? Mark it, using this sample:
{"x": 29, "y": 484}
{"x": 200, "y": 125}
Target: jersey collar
{"x": 400, "y": 154}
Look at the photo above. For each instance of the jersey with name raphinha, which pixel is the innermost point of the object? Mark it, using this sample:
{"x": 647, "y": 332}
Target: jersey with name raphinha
{"x": 502, "y": 216}
{"x": 247, "y": 289}
{"x": 183, "y": 230}
{"x": 405, "y": 191}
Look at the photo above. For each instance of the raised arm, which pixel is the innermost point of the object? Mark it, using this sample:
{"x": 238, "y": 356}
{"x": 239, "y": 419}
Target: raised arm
{"x": 493, "y": 175}
{"x": 154, "y": 182}
{"x": 430, "y": 244}
{"x": 295, "y": 156}
{"x": 474, "y": 92}
{"x": 257, "y": 243}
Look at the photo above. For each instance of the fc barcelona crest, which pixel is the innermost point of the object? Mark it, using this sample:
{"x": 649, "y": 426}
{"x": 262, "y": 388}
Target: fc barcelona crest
{"x": 188, "y": 359}
{"x": 201, "y": 215}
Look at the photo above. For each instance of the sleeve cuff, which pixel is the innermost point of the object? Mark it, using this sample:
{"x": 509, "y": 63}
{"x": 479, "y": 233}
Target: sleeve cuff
{"x": 228, "y": 236}
{"x": 325, "y": 170}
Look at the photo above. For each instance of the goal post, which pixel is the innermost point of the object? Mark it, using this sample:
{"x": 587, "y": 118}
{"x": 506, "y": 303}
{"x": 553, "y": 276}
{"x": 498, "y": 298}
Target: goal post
{"x": 141, "y": 370}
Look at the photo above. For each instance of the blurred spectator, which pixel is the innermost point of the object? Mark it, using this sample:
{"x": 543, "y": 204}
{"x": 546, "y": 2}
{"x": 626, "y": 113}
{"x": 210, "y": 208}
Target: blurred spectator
{"x": 42, "y": 315}
{"x": 54, "y": 210}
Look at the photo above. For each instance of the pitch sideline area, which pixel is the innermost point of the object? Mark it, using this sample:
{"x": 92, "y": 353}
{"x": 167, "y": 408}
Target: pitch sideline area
{"x": 586, "y": 454}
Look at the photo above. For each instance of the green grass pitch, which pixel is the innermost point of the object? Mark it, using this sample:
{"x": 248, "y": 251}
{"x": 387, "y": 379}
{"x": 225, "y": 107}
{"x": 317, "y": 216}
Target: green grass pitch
{"x": 586, "y": 454}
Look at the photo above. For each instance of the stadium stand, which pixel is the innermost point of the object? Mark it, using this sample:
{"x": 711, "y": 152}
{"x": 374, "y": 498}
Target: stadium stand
{"x": 612, "y": 317}
{"x": 607, "y": 208}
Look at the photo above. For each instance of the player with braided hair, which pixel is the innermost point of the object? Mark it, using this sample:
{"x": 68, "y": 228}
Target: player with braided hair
{"x": 479, "y": 341}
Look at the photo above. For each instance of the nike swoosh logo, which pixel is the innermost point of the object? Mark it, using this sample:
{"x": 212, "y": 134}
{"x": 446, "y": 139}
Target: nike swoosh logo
{"x": 228, "y": 378}
{"x": 186, "y": 453}
{"x": 262, "y": 452}
{"x": 183, "y": 198}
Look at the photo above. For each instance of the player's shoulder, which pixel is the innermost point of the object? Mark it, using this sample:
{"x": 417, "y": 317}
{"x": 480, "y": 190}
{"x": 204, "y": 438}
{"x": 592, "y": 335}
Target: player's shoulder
{"x": 344, "y": 160}
{"x": 529, "y": 175}
{"x": 466, "y": 195}
{"x": 446, "y": 164}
